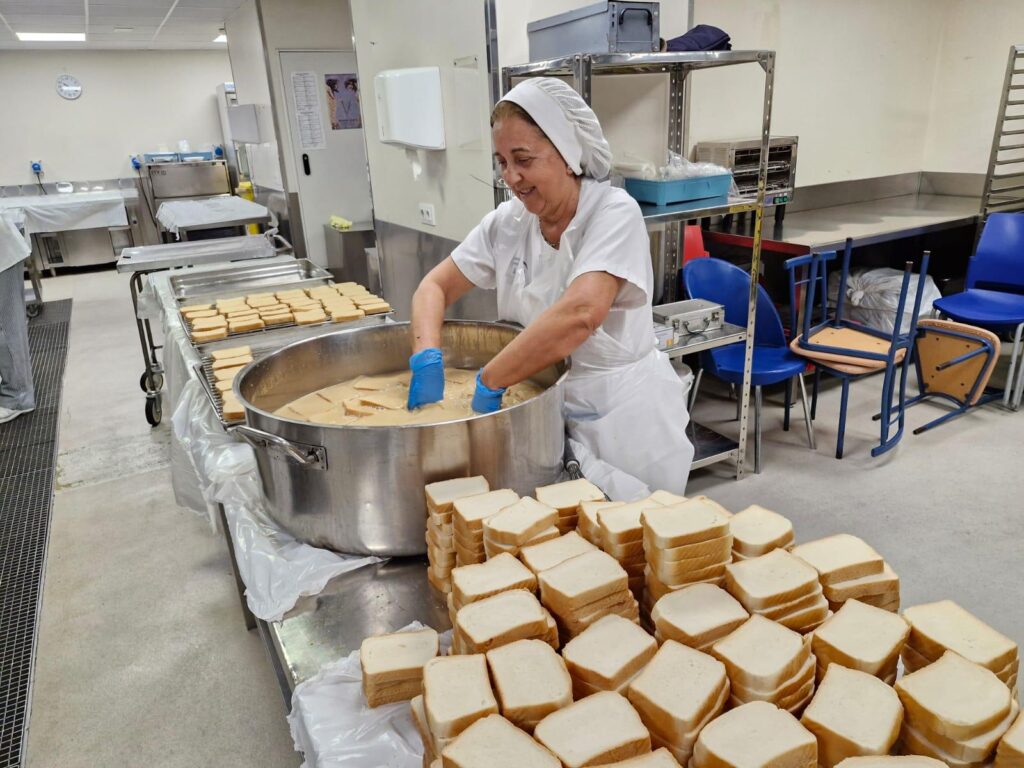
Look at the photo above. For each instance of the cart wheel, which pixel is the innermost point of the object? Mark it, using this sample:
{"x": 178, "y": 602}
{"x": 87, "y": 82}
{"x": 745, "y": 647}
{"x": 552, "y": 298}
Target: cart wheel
{"x": 151, "y": 383}
{"x": 143, "y": 384}
{"x": 33, "y": 310}
{"x": 154, "y": 411}
{"x": 158, "y": 381}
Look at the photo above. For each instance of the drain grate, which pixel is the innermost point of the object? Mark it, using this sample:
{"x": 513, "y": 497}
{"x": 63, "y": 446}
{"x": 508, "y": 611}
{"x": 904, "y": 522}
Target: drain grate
{"x": 27, "y": 453}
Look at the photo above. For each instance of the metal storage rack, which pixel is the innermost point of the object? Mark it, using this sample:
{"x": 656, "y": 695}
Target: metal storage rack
{"x": 1005, "y": 162}
{"x": 710, "y": 446}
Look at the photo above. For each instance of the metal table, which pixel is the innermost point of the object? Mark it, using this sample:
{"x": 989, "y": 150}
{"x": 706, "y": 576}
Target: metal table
{"x": 196, "y": 214}
{"x": 867, "y": 223}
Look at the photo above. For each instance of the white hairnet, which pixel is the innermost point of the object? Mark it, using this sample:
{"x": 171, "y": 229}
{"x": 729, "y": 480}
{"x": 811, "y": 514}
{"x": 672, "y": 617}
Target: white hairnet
{"x": 568, "y": 121}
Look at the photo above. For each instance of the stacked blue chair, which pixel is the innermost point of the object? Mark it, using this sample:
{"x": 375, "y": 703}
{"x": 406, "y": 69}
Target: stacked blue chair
{"x": 723, "y": 283}
{"x": 994, "y": 298}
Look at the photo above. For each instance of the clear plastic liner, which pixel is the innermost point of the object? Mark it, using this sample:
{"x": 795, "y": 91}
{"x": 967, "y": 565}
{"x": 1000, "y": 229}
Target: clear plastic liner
{"x": 176, "y": 214}
{"x": 232, "y": 248}
{"x": 873, "y": 295}
{"x": 332, "y": 725}
{"x": 676, "y": 167}
{"x": 276, "y": 568}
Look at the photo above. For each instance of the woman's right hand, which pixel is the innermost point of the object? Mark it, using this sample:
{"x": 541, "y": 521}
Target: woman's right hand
{"x": 427, "y": 385}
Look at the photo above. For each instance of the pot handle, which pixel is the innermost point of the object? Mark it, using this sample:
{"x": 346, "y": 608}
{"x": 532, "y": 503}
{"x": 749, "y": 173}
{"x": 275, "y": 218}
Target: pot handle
{"x": 310, "y": 456}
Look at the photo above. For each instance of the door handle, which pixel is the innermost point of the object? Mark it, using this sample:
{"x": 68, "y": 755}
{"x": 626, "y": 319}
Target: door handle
{"x": 305, "y": 163}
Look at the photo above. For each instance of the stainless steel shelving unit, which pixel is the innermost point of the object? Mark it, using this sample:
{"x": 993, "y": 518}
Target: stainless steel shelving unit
{"x": 582, "y": 68}
{"x": 1005, "y": 163}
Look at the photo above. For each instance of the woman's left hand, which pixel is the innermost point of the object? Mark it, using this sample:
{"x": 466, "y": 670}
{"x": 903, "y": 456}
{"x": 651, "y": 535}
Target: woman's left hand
{"x": 485, "y": 399}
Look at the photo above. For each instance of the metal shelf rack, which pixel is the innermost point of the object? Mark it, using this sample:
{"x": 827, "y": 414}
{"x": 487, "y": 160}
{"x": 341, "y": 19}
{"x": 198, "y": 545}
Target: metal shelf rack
{"x": 582, "y": 68}
{"x": 1005, "y": 163}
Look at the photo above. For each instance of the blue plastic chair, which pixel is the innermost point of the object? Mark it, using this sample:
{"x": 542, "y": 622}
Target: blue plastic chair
{"x": 723, "y": 283}
{"x": 885, "y": 352}
{"x": 994, "y": 299}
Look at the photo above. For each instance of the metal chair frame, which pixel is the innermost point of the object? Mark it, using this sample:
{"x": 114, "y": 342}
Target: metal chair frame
{"x": 817, "y": 273}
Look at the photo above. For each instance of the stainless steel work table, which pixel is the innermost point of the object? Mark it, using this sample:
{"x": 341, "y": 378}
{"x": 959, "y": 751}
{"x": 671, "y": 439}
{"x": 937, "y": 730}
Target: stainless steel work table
{"x": 867, "y": 223}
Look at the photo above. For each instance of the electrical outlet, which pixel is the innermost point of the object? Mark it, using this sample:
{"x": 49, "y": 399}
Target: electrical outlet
{"x": 427, "y": 214}
{"x": 37, "y": 166}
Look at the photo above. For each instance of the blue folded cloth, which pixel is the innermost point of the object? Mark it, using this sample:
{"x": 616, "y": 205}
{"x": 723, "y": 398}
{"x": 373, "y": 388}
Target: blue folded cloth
{"x": 703, "y": 37}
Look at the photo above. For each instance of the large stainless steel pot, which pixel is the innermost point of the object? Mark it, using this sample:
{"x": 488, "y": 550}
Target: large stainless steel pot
{"x": 360, "y": 489}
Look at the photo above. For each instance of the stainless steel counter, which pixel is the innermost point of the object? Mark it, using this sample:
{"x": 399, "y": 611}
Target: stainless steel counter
{"x": 353, "y": 606}
{"x": 868, "y": 222}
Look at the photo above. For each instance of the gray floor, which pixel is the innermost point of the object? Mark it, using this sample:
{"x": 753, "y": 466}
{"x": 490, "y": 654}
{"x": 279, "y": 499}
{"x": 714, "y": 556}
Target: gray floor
{"x": 143, "y": 659}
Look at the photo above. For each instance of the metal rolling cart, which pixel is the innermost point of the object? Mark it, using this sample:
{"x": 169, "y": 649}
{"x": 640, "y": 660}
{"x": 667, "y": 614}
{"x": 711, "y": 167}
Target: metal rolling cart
{"x": 710, "y": 447}
{"x": 142, "y": 261}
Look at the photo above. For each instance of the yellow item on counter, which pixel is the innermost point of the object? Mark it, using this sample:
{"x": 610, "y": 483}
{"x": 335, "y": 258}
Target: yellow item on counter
{"x": 245, "y": 191}
{"x": 340, "y": 223}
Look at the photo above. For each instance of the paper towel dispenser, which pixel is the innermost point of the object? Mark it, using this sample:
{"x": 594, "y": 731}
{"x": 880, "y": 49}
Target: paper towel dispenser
{"x": 409, "y": 107}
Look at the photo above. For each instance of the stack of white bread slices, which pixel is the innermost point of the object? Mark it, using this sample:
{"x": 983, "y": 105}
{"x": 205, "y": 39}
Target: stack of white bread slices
{"x": 597, "y": 730}
{"x": 780, "y": 587}
{"x": 956, "y": 711}
{"x": 944, "y": 626}
{"x": 583, "y": 589}
{"x": 440, "y": 531}
{"x": 531, "y": 681}
{"x": 767, "y": 662}
{"x": 755, "y": 735}
{"x": 849, "y": 568}
{"x": 500, "y": 619}
{"x": 456, "y": 693}
{"x": 698, "y": 616}
{"x": 757, "y": 531}
{"x": 679, "y": 692}
{"x": 548, "y": 554}
{"x": 468, "y": 518}
{"x": 393, "y": 665}
{"x": 607, "y": 656}
{"x": 494, "y": 742}
{"x": 566, "y": 498}
{"x": 587, "y": 523}
{"x": 525, "y": 522}
{"x": 861, "y": 637}
{"x": 1010, "y": 752}
{"x": 685, "y": 544}
{"x": 622, "y": 537}
{"x": 475, "y": 582}
{"x": 852, "y": 714}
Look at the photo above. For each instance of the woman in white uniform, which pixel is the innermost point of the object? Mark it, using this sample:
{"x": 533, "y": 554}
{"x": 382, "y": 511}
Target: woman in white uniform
{"x": 570, "y": 260}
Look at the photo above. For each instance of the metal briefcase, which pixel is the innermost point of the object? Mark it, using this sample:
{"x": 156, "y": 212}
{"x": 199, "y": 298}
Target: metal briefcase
{"x": 608, "y": 27}
{"x": 691, "y": 317}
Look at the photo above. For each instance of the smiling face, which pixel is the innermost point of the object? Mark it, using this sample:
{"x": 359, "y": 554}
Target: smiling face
{"x": 532, "y": 167}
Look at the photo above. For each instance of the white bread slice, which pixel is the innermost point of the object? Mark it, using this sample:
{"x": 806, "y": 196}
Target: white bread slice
{"x": 515, "y": 525}
{"x": 761, "y": 654}
{"x": 886, "y": 582}
{"x": 599, "y": 729}
{"x": 548, "y": 534}
{"x": 667, "y": 499}
{"x": 620, "y": 525}
{"x": 502, "y": 572}
{"x": 779, "y": 612}
{"x": 587, "y": 515}
{"x": 954, "y": 697}
{"x": 784, "y": 691}
{"x": 625, "y": 606}
{"x": 757, "y": 531}
{"x": 677, "y": 571}
{"x": 581, "y": 580}
{"x": 852, "y": 714}
{"x": 531, "y": 681}
{"x": 770, "y": 580}
{"x": 721, "y": 546}
{"x": 568, "y": 495}
{"x": 915, "y": 741}
{"x": 419, "y": 719}
{"x": 892, "y": 761}
{"x": 682, "y": 749}
{"x": 1010, "y": 752}
{"x": 397, "y": 657}
{"x": 687, "y": 523}
{"x": 941, "y": 626}
{"x": 500, "y": 619}
{"x": 698, "y": 614}
{"x": 630, "y": 549}
{"x": 682, "y": 577}
{"x": 755, "y": 735}
{"x": 548, "y": 554}
{"x": 441, "y": 495}
{"x": 659, "y": 758}
{"x": 677, "y": 691}
{"x": 494, "y": 742}
{"x": 471, "y": 511}
{"x": 840, "y": 558}
{"x": 792, "y": 702}
{"x": 806, "y": 619}
{"x": 861, "y": 637}
{"x": 456, "y": 693}
{"x": 392, "y": 692}
{"x": 976, "y": 750}
{"x": 609, "y": 652}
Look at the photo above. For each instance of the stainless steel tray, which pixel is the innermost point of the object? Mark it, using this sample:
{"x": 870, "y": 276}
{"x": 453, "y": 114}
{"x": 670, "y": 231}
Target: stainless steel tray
{"x": 204, "y": 370}
{"x": 290, "y": 331}
{"x": 224, "y": 283}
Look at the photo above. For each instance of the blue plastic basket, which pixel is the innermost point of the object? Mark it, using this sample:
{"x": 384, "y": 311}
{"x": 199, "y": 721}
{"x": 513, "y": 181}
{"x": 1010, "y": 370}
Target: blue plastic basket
{"x": 679, "y": 190}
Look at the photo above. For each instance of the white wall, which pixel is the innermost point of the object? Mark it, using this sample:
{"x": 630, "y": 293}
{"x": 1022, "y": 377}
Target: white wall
{"x": 968, "y": 83}
{"x": 457, "y": 180}
{"x": 132, "y": 102}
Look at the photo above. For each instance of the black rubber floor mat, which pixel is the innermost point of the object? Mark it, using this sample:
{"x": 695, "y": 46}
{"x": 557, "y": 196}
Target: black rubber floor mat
{"x": 27, "y": 461}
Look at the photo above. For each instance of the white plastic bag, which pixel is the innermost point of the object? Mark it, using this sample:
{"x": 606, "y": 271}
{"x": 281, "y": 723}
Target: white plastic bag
{"x": 332, "y": 725}
{"x": 872, "y": 297}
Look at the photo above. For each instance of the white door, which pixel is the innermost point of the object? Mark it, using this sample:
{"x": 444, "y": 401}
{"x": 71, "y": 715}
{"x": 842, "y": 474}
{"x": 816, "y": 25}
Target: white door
{"x": 326, "y": 136}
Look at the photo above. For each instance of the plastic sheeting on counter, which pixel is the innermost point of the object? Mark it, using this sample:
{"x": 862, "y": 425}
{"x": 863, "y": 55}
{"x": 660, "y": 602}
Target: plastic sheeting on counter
{"x": 276, "y": 568}
{"x": 185, "y": 214}
{"x": 332, "y": 725}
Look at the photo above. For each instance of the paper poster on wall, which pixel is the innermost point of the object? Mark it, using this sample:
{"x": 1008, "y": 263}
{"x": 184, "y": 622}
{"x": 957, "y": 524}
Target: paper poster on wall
{"x": 343, "y": 101}
{"x": 306, "y": 94}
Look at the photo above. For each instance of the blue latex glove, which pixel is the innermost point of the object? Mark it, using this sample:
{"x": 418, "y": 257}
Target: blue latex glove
{"x": 427, "y": 385}
{"x": 485, "y": 399}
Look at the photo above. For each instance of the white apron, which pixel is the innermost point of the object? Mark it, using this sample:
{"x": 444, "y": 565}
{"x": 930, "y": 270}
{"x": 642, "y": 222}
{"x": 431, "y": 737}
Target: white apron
{"x": 625, "y": 409}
